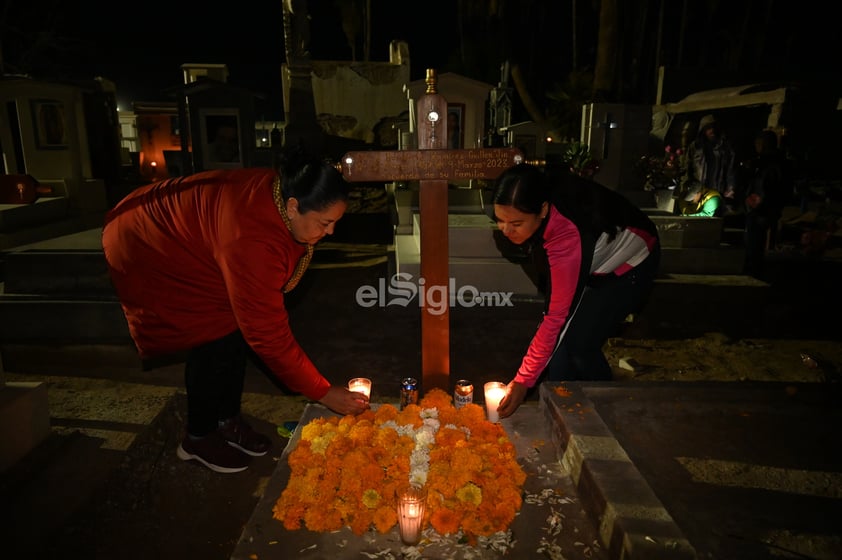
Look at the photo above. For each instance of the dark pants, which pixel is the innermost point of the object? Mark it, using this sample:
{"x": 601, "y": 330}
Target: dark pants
{"x": 605, "y": 305}
{"x": 213, "y": 376}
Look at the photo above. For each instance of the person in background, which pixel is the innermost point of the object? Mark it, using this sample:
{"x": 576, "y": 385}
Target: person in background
{"x": 201, "y": 264}
{"x": 701, "y": 201}
{"x": 598, "y": 254}
{"x": 711, "y": 161}
{"x": 766, "y": 197}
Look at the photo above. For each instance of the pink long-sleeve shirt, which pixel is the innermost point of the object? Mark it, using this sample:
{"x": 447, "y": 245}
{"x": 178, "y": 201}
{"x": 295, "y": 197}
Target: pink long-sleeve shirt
{"x": 571, "y": 260}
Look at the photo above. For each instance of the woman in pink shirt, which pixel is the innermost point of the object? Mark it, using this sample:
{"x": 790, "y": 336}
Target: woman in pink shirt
{"x": 201, "y": 265}
{"x": 596, "y": 254}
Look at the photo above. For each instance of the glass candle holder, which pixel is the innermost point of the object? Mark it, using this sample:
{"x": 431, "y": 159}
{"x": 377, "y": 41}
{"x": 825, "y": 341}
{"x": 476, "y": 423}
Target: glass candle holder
{"x": 411, "y": 509}
{"x": 360, "y": 385}
{"x": 494, "y": 393}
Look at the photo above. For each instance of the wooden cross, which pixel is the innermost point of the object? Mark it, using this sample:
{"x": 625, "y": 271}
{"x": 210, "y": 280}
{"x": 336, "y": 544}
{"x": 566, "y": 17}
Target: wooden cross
{"x": 432, "y": 165}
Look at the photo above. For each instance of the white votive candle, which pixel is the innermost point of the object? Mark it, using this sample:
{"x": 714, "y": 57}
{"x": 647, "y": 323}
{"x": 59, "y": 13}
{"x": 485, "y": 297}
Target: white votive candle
{"x": 411, "y": 506}
{"x": 360, "y": 385}
{"x": 494, "y": 393}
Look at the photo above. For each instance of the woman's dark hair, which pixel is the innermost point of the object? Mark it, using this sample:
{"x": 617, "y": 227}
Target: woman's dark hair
{"x": 592, "y": 206}
{"x": 523, "y": 187}
{"x": 315, "y": 183}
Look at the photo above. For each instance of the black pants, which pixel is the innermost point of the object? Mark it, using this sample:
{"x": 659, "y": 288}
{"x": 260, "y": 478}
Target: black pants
{"x": 213, "y": 376}
{"x": 604, "y": 305}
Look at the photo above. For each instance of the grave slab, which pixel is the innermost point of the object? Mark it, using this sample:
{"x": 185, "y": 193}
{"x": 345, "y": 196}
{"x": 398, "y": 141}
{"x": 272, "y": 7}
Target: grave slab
{"x": 459, "y": 201}
{"x": 741, "y": 470}
{"x": 688, "y": 231}
{"x": 24, "y": 420}
{"x": 548, "y": 496}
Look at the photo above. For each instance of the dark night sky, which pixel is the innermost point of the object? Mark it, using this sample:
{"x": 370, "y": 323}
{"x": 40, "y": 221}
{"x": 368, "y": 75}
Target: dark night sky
{"x": 142, "y": 51}
{"x": 141, "y": 46}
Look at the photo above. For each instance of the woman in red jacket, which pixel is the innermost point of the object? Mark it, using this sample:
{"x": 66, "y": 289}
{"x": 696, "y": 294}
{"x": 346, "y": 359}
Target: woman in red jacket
{"x": 596, "y": 254}
{"x": 201, "y": 264}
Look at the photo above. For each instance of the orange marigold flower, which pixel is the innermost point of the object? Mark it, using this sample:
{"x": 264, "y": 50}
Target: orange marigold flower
{"x": 386, "y": 439}
{"x": 449, "y": 437}
{"x": 488, "y": 431}
{"x": 322, "y": 519}
{"x": 447, "y": 485}
{"x": 472, "y": 415}
{"x": 345, "y": 507}
{"x": 398, "y": 467}
{"x": 337, "y": 448}
{"x": 410, "y": 416}
{"x": 367, "y": 415}
{"x": 448, "y": 415}
{"x": 477, "y": 524}
{"x": 467, "y": 460}
{"x": 510, "y": 497}
{"x": 346, "y": 422}
{"x": 346, "y": 471}
{"x": 436, "y": 398}
{"x": 385, "y": 413}
{"x": 361, "y": 521}
{"x": 290, "y": 513}
{"x": 385, "y": 518}
{"x": 303, "y": 458}
{"x": 355, "y": 460}
{"x": 445, "y": 521}
{"x": 372, "y": 473}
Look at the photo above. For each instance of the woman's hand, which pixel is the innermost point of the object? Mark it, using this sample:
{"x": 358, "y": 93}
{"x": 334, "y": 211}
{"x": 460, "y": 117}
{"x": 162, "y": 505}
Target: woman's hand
{"x": 343, "y": 401}
{"x": 515, "y": 394}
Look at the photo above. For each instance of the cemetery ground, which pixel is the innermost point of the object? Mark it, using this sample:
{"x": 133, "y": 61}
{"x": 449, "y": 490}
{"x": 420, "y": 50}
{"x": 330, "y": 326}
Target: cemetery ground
{"x": 107, "y": 483}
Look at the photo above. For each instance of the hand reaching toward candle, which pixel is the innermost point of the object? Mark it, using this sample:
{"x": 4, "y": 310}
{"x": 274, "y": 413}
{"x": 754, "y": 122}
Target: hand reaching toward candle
{"x": 341, "y": 400}
{"x": 188, "y": 285}
{"x": 515, "y": 395}
{"x": 597, "y": 256}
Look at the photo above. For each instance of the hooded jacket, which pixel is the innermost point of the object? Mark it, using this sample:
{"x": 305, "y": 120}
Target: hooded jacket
{"x": 712, "y": 161}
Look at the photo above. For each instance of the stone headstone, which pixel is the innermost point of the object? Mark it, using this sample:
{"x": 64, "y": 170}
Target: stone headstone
{"x": 618, "y": 136}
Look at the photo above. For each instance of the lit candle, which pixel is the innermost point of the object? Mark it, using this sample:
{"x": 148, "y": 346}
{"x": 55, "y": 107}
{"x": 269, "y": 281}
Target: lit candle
{"x": 494, "y": 393}
{"x": 360, "y": 385}
{"x": 411, "y": 508}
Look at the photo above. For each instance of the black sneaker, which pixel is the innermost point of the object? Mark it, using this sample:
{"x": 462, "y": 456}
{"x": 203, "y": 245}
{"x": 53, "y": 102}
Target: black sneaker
{"x": 239, "y": 434}
{"x": 214, "y": 453}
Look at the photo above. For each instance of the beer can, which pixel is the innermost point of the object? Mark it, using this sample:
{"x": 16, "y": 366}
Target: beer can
{"x": 463, "y": 394}
{"x": 409, "y": 391}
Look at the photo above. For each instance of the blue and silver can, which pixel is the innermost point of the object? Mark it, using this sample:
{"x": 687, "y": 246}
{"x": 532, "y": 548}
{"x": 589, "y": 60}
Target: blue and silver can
{"x": 409, "y": 391}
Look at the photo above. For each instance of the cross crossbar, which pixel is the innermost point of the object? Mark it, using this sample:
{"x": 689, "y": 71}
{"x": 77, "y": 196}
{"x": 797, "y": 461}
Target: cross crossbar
{"x": 421, "y": 165}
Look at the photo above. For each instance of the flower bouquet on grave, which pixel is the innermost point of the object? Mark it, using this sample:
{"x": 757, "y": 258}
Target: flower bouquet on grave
{"x": 663, "y": 172}
{"x": 346, "y": 471}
